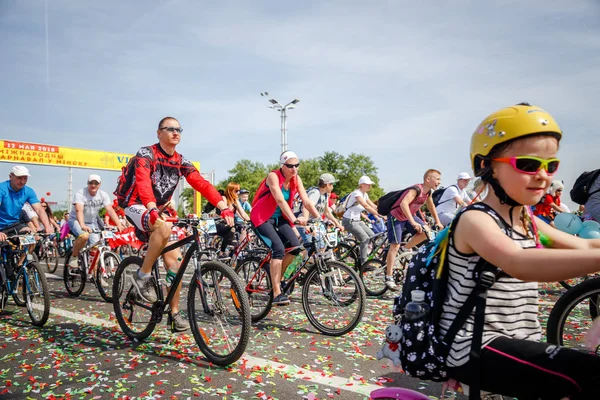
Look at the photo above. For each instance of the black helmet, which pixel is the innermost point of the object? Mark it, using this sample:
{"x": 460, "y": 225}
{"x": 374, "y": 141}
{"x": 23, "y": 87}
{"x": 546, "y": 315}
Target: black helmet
{"x": 243, "y": 191}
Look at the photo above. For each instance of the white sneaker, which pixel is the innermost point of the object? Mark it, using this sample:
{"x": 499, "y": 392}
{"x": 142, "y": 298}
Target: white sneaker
{"x": 73, "y": 263}
{"x": 389, "y": 282}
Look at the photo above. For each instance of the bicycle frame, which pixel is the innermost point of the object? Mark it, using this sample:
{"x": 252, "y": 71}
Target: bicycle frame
{"x": 8, "y": 284}
{"x": 100, "y": 246}
{"x": 158, "y": 308}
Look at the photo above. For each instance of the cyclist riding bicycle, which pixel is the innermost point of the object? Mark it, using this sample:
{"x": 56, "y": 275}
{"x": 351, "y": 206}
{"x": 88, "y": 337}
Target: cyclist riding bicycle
{"x": 357, "y": 202}
{"x": 224, "y": 230}
{"x": 403, "y": 218}
{"x": 274, "y": 220}
{"x": 13, "y": 195}
{"x": 453, "y": 198}
{"x": 514, "y": 152}
{"x": 319, "y": 196}
{"x": 157, "y": 172}
{"x": 83, "y": 218}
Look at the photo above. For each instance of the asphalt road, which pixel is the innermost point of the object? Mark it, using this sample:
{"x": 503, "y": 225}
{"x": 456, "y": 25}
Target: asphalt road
{"x": 81, "y": 353}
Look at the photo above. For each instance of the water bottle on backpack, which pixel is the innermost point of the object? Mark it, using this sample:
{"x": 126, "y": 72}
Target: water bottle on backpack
{"x": 417, "y": 308}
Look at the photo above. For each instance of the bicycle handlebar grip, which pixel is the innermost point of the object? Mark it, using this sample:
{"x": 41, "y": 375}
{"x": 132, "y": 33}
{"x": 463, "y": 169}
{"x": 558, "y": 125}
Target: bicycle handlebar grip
{"x": 171, "y": 219}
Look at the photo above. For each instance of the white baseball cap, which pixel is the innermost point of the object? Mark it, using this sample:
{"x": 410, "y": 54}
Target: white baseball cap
{"x": 94, "y": 177}
{"x": 19, "y": 170}
{"x": 463, "y": 175}
{"x": 327, "y": 178}
{"x": 286, "y": 155}
{"x": 365, "y": 180}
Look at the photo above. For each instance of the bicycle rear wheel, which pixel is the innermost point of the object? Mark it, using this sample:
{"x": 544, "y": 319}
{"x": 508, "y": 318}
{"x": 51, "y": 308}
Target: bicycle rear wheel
{"x": 37, "y": 296}
{"x": 106, "y": 272}
{"x": 74, "y": 278}
{"x": 219, "y": 313}
{"x": 134, "y": 316}
{"x": 258, "y": 287}
{"x": 333, "y": 299}
{"x": 573, "y": 312}
{"x": 51, "y": 257}
{"x": 372, "y": 274}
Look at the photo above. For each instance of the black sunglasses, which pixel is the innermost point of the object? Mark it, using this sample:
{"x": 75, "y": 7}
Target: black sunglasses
{"x": 172, "y": 129}
{"x": 290, "y": 166}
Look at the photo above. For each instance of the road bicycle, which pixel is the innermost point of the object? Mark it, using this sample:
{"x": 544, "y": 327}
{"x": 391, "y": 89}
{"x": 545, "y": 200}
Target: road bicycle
{"x": 27, "y": 284}
{"x": 333, "y": 296}
{"x": 97, "y": 262}
{"x": 217, "y": 308}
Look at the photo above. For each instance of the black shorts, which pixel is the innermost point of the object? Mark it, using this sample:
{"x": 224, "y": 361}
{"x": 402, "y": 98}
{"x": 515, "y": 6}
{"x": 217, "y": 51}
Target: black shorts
{"x": 280, "y": 235}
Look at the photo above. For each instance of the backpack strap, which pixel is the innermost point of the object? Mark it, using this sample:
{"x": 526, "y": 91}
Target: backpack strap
{"x": 447, "y": 200}
{"x": 488, "y": 274}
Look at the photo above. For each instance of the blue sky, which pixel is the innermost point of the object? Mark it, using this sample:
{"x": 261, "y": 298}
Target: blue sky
{"x": 403, "y": 82}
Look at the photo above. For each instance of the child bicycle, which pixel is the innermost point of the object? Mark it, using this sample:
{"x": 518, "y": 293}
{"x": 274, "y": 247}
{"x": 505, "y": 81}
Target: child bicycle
{"x": 333, "y": 296}
{"x": 97, "y": 262}
{"x": 218, "y": 308}
{"x": 26, "y": 282}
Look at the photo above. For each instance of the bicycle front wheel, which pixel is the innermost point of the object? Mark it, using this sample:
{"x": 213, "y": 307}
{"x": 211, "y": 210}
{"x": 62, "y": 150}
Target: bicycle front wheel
{"x": 133, "y": 315}
{"x": 105, "y": 274}
{"x": 573, "y": 312}
{"x": 219, "y": 313}
{"x": 74, "y": 278}
{"x": 37, "y": 296}
{"x": 333, "y": 298}
{"x": 18, "y": 293}
{"x": 372, "y": 274}
{"x": 51, "y": 257}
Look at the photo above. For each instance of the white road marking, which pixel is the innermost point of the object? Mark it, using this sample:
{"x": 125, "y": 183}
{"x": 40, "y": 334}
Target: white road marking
{"x": 337, "y": 382}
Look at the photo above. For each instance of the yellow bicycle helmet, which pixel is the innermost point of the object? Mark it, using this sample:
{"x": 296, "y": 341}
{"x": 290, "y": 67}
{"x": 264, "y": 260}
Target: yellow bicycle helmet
{"x": 507, "y": 124}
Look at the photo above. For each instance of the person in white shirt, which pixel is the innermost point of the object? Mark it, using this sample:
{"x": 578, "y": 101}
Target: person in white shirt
{"x": 454, "y": 198}
{"x": 83, "y": 219}
{"x": 358, "y": 202}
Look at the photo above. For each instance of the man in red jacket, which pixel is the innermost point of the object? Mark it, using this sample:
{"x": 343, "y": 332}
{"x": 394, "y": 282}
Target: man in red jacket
{"x": 157, "y": 172}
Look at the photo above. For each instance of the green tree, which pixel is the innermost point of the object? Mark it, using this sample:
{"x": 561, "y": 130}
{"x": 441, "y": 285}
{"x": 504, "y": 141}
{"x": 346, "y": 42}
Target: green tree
{"x": 353, "y": 167}
{"x": 310, "y": 171}
{"x": 332, "y": 162}
{"x": 247, "y": 173}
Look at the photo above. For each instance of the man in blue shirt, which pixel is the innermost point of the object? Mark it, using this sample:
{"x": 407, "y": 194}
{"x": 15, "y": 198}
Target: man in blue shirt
{"x": 13, "y": 195}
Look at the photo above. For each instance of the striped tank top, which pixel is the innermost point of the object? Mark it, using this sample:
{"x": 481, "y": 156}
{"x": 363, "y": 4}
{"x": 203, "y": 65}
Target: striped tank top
{"x": 512, "y": 304}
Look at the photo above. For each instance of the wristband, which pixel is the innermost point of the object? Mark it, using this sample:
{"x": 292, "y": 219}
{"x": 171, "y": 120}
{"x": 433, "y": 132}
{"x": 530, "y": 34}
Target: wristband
{"x": 226, "y": 213}
{"x": 153, "y": 216}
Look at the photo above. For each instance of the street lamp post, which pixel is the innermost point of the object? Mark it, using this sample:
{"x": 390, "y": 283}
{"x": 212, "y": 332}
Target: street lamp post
{"x": 283, "y": 111}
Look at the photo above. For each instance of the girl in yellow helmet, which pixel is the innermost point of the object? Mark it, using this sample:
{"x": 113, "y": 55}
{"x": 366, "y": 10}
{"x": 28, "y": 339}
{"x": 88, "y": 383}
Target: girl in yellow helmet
{"x": 514, "y": 151}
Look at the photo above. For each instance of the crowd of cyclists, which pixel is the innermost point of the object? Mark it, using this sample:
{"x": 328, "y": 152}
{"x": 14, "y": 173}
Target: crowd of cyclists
{"x": 514, "y": 158}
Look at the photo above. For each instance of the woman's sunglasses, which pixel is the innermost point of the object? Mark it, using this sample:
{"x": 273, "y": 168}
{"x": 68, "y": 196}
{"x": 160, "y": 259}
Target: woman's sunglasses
{"x": 290, "y": 166}
{"x": 531, "y": 165}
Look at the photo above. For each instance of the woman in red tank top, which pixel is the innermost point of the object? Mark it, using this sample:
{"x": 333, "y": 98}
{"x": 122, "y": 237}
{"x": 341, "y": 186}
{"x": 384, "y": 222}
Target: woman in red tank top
{"x": 274, "y": 220}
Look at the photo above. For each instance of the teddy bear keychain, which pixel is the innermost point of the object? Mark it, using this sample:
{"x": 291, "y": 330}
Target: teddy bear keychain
{"x": 391, "y": 345}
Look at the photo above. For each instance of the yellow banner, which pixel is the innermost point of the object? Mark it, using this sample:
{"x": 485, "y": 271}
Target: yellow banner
{"x": 13, "y": 151}
{"x": 59, "y": 156}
